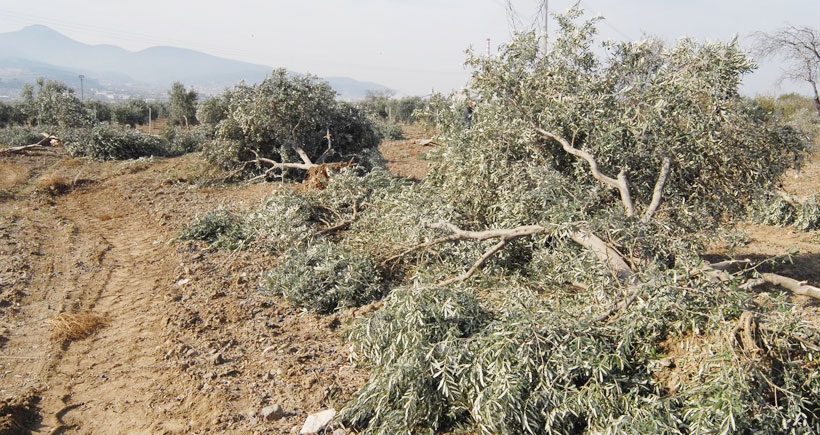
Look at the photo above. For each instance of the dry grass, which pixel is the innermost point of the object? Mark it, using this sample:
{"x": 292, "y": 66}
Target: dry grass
{"x": 54, "y": 183}
{"x": 76, "y": 326}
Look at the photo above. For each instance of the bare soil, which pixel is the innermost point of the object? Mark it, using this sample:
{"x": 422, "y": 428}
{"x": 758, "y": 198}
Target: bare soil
{"x": 189, "y": 343}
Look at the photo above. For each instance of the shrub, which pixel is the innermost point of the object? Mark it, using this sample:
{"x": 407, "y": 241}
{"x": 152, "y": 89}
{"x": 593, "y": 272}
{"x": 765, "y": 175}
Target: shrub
{"x": 389, "y": 130}
{"x": 111, "y": 142}
{"x": 326, "y": 276}
{"x": 20, "y": 135}
{"x": 130, "y": 112}
{"x": 221, "y": 228}
{"x": 808, "y": 215}
{"x": 183, "y": 141}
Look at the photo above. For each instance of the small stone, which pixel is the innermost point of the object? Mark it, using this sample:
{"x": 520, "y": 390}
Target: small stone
{"x": 273, "y": 412}
{"x": 315, "y": 423}
{"x": 216, "y": 358}
{"x": 339, "y": 432}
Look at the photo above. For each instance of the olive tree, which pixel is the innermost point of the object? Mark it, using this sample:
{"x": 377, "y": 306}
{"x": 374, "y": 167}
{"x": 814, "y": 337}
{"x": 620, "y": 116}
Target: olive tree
{"x": 54, "y": 104}
{"x": 182, "y": 105}
{"x": 550, "y": 259}
{"x": 286, "y": 121}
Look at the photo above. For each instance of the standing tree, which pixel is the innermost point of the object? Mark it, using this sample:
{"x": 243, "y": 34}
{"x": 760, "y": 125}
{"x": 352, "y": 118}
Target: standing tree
{"x": 800, "y": 48}
{"x": 182, "y": 105}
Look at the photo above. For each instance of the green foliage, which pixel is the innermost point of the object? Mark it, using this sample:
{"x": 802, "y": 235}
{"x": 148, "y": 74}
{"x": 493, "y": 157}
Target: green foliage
{"x": 182, "y": 106}
{"x": 325, "y": 276}
{"x": 529, "y": 363}
{"x": 642, "y": 103}
{"x": 111, "y": 142}
{"x": 282, "y": 221}
{"x": 213, "y": 110}
{"x": 398, "y": 342}
{"x": 53, "y": 104}
{"x": 98, "y": 111}
{"x": 285, "y": 113}
{"x": 774, "y": 209}
{"x": 388, "y": 130}
{"x": 20, "y": 135}
{"x": 131, "y": 112}
{"x": 221, "y": 228}
{"x": 808, "y": 215}
{"x": 184, "y": 141}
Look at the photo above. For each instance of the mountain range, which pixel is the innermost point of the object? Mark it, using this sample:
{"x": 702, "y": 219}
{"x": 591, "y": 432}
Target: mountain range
{"x": 112, "y": 72}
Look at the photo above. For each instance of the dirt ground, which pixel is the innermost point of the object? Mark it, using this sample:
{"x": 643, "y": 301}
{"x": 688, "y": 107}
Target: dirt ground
{"x": 189, "y": 344}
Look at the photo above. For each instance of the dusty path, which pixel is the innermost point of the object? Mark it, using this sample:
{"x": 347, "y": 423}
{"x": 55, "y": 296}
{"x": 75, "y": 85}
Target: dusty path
{"x": 190, "y": 344}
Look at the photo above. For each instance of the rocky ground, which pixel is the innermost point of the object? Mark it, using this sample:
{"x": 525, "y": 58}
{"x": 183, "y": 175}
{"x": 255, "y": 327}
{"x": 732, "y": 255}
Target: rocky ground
{"x": 187, "y": 342}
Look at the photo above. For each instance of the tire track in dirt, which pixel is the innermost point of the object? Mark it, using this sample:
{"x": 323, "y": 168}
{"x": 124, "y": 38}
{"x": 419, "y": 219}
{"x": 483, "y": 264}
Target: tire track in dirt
{"x": 115, "y": 380}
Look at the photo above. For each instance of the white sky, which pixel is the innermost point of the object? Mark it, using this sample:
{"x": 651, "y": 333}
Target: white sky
{"x": 413, "y": 46}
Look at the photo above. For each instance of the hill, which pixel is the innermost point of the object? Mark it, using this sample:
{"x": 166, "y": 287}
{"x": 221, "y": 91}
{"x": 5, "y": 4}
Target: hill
{"x": 39, "y": 51}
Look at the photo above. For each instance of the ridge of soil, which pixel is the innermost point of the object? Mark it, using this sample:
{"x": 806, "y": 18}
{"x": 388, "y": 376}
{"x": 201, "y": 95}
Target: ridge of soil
{"x": 190, "y": 344}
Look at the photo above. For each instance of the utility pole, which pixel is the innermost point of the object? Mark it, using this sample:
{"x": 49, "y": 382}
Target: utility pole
{"x": 488, "y": 47}
{"x": 546, "y": 27}
{"x": 82, "y": 90}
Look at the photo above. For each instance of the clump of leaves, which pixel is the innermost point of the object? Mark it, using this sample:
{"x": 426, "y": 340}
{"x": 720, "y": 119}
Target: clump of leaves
{"x": 403, "y": 395}
{"x": 221, "y": 228}
{"x": 773, "y": 209}
{"x": 522, "y": 362}
{"x": 113, "y": 142}
{"x": 389, "y": 130}
{"x": 183, "y": 141}
{"x": 20, "y": 135}
{"x": 325, "y": 276}
{"x": 808, "y": 215}
{"x": 282, "y": 221}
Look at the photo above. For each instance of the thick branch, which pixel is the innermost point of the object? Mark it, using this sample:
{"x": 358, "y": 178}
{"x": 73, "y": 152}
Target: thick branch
{"x": 458, "y": 234}
{"x": 303, "y": 155}
{"x": 606, "y": 255}
{"x": 620, "y": 183}
{"x": 39, "y": 146}
{"x": 791, "y": 284}
{"x": 509, "y": 234}
{"x": 657, "y": 194}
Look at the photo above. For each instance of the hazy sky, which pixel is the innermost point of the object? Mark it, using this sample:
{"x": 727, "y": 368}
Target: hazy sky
{"x": 413, "y": 46}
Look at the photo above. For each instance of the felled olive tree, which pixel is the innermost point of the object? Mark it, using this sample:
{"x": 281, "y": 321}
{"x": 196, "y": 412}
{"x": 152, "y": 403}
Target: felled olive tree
{"x": 647, "y": 135}
{"x": 558, "y": 262}
{"x": 287, "y": 121}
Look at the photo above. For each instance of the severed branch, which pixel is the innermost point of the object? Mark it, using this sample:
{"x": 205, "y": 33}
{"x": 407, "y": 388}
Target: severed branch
{"x": 718, "y": 271}
{"x": 583, "y": 237}
{"x": 303, "y": 155}
{"x": 606, "y": 255}
{"x": 621, "y": 183}
{"x": 343, "y": 224}
{"x": 45, "y": 144}
{"x": 657, "y": 193}
{"x": 274, "y": 165}
{"x": 504, "y": 236}
{"x": 791, "y": 284}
